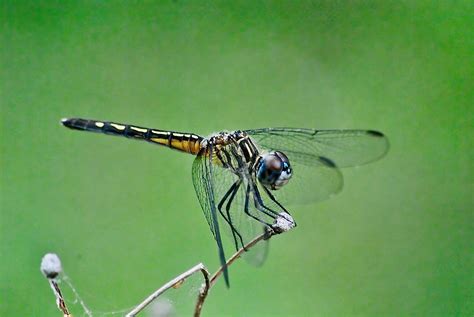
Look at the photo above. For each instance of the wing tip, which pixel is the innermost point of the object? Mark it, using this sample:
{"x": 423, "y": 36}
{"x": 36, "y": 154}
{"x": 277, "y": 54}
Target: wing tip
{"x": 327, "y": 162}
{"x": 375, "y": 133}
{"x": 386, "y": 143}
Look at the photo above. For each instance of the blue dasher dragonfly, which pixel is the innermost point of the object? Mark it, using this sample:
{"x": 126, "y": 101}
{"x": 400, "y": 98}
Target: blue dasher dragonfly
{"x": 245, "y": 178}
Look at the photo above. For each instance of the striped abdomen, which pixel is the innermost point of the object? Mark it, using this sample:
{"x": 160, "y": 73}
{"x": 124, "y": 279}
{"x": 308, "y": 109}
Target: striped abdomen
{"x": 186, "y": 142}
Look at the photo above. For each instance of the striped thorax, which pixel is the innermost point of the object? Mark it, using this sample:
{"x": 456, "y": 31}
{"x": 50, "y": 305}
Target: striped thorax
{"x": 231, "y": 149}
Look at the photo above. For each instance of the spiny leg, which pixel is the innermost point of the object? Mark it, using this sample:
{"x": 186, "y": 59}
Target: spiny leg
{"x": 233, "y": 189}
{"x": 227, "y": 207}
{"x": 229, "y": 159}
{"x": 241, "y": 163}
{"x": 276, "y": 202}
{"x": 261, "y": 206}
{"x": 274, "y": 199}
{"x": 246, "y": 208}
{"x": 225, "y": 164}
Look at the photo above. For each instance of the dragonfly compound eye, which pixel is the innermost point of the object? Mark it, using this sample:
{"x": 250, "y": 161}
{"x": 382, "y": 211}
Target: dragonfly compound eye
{"x": 273, "y": 170}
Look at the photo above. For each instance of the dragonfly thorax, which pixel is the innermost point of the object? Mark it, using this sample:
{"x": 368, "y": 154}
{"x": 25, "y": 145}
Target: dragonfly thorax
{"x": 273, "y": 170}
{"x": 233, "y": 149}
{"x": 237, "y": 151}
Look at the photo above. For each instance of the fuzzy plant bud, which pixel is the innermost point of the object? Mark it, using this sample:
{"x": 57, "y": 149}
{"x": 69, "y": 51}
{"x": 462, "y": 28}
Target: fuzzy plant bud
{"x": 51, "y": 265}
{"x": 284, "y": 222}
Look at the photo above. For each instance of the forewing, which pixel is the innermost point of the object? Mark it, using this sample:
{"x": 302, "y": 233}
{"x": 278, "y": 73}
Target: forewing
{"x": 312, "y": 181}
{"x": 316, "y": 155}
{"x": 343, "y": 147}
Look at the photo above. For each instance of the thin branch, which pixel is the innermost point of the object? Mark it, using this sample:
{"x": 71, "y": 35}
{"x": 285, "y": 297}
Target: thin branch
{"x": 51, "y": 268}
{"x": 205, "y": 288}
{"x": 236, "y": 255}
{"x": 59, "y": 298}
{"x": 176, "y": 281}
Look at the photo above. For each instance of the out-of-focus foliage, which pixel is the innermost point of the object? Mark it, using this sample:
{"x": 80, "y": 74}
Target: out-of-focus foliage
{"x": 123, "y": 215}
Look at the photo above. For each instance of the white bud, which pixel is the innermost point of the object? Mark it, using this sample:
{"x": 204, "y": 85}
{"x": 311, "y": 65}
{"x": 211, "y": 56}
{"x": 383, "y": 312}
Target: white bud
{"x": 283, "y": 222}
{"x": 51, "y": 265}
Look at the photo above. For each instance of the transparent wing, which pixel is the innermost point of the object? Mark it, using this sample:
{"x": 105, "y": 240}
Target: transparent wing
{"x": 343, "y": 147}
{"x": 316, "y": 155}
{"x": 202, "y": 175}
{"x": 238, "y": 214}
{"x": 223, "y": 203}
{"x": 312, "y": 181}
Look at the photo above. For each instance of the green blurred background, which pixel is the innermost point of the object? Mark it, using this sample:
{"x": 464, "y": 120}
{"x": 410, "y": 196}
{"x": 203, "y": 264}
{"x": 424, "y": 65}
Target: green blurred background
{"x": 123, "y": 215}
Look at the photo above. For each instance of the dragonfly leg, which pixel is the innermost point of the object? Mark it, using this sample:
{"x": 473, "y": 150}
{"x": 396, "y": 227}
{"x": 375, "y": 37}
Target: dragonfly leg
{"x": 261, "y": 206}
{"x": 246, "y": 208}
{"x": 227, "y": 208}
{"x": 229, "y": 160}
{"x": 274, "y": 199}
{"x": 280, "y": 205}
{"x": 232, "y": 191}
{"x": 225, "y": 163}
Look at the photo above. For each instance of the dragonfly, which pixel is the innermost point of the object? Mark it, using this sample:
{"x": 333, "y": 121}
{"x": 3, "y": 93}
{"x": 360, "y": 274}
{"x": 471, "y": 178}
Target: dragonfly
{"x": 246, "y": 179}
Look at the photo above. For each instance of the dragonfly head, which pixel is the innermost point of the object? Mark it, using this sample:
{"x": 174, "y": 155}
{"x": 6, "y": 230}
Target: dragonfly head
{"x": 273, "y": 170}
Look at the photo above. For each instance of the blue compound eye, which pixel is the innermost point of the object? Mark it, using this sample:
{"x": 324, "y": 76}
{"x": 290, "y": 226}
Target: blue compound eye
{"x": 273, "y": 170}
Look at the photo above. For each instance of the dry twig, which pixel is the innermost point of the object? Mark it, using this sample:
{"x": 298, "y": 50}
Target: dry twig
{"x": 176, "y": 281}
{"x": 205, "y": 288}
{"x": 51, "y": 268}
{"x": 283, "y": 223}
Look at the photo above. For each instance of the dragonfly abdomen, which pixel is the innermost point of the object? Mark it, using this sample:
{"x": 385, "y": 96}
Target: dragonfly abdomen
{"x": 186, "y": 142}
